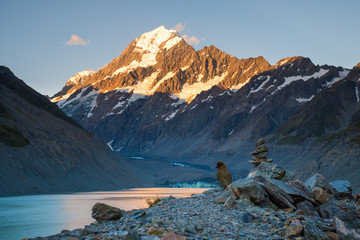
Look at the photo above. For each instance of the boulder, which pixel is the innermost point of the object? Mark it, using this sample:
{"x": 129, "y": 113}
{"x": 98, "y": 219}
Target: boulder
{"x": 341, "y": 186}
{"x": 267, "y": 169}
{"x": 102, "y": 212}
{"x": 316, "y": 180}
{"x": 230, "y": 203}
{"x": 344, "y": 232}
{"x": 308, "y": 208}
{"x": 302, "y": 191}
{"x": 320, "y": 195}
{"x": 249, "y": 187}
{"x": 277, "y": 191}
{"x": 344, "y": 210}
{"x": 221, "y": 198}
{"x": 312, "y": 232}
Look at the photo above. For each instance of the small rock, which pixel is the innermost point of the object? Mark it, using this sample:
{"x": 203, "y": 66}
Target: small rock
{"x": 332, "y": 235}
{"x": 230, "y": 203}
{"x": 157, "y": 221}
{"x": 154, "y": 231}
{"x": 308, "y": 208}
{"x": 244, "y": 203}
{"x": 214, "y": 190}
{"x": 311, "y": 232}
{"x": 91, "y": 229}
{"x": 316, "y": 180}
{"x": 266, "y": 169}
{"x": 190, "y": 228}
{"x": 221, "y": 198}
{"x": 102, "y": 212}
{"x": 341, "y": 186}
{"x": 132, "y": 235}
{"x": 294, "y": 229}
{"x": 320, "y": 195}
{"x": 173, "y": 236}
{"x": 250, "y": 187}
{"x": 246, "y": 217}
{"x": 344, "y": 232}
{"x": 138, "y": 214}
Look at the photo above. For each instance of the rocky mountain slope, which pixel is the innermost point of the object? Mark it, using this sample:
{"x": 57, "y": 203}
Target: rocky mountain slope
{"x": 164, "y": 101}
{"x": 45, "y": 151}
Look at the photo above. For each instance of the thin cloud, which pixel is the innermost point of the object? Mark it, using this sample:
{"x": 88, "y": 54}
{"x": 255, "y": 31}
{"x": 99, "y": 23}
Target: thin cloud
{"x": 192, "y": 40}
{"x": 76, "y": 40}
{"x": 179, "y": 27}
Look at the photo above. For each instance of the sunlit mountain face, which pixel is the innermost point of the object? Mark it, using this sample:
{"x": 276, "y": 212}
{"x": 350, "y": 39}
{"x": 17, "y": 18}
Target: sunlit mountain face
{"x": 161, "y": 99}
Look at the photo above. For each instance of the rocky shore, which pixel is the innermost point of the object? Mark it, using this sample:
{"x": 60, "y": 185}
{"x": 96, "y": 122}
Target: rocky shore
{"x": 268, "y": 204}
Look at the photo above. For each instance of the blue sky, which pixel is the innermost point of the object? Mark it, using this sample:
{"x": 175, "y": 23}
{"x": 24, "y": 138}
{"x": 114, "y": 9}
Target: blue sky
{"x": 34, "y": 33}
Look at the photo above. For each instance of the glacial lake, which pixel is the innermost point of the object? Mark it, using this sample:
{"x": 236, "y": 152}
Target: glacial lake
{"x": 44, "y": 215}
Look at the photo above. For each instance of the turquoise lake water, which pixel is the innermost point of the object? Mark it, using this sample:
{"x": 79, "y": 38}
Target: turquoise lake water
{"x": 44, "y": 215}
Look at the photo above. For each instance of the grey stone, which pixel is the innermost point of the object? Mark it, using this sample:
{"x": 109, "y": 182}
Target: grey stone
{"x": 344, "y": 232}
{"x": 341, "y": 186}
{"x": 341, "y": 209}
{"x": 138, "y": 214}
{"x": 132, "y": 235}
{"x": 221, "y": 198}
{"x": 244, "y": 203}
{"x": 250, "y": 187}
{"x": 214, "y": 190}
{"x": 308, "y": 208}
{"x": 246, "y": 217}
{"x": 267, "y": 169}
{"x": 316, "y": 180}
{"x": 190, "y": 228}
{"x": 312, "y": 232}
{"x": 320, "y": 195}
{"x": 230, "y": 203}
{"x": 102, "y": 212}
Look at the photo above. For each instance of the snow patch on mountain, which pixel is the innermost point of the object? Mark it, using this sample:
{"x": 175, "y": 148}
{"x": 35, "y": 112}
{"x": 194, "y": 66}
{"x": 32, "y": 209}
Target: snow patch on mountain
{"x": 171, "y": 116}
{"x": 189, "y": 91}
{"x": 289, "y": 80}
{"x": 267, "y": 78}
{"x": 304, "y": 99}
{"x": 357, "y": 94}
{"x": 342, "y": 74}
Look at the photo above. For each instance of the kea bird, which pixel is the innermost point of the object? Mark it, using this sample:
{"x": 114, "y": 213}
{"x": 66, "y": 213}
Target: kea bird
{"x": 223, "y": 175}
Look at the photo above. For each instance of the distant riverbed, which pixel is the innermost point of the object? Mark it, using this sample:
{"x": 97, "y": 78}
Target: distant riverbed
{"x": 44, "y": 215}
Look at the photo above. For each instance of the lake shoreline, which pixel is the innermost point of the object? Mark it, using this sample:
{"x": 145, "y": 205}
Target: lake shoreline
{"x": 213, "y": 214}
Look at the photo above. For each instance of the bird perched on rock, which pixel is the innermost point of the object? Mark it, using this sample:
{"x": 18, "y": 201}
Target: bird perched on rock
{"x": 223, "y": 175}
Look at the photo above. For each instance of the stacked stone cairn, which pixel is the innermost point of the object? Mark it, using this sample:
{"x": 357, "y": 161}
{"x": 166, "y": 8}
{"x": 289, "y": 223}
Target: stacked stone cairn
{"x": 260, "y": 154}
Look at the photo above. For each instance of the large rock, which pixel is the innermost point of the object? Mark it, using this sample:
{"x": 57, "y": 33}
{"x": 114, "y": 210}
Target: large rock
{"x": 344, "y": 232}
{"x": 277, "y": 191}
{"x": 102, "y": 212}
{"x": 316, "y": 180}
{"x": 221, "y": 198}
{"x": 320, "y": 195}
{"x": 345, "y": 210}
{"x": 249, "y": 187}
{"x": 308, "y": 208}
{"x": 312, "y": 232}
{"x": 266, "y": 169}
{"x": 341, "y": 186}
{"x": 302, "y": 191}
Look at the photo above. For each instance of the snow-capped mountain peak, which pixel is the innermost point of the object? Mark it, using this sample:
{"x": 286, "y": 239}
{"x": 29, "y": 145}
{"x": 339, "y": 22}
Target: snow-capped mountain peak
{"x": 151, "y": 41}
{"x": 76, "y": 79}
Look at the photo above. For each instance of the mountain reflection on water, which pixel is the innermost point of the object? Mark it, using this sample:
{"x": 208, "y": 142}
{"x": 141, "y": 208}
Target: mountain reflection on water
{"x": 44, "y": 215}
